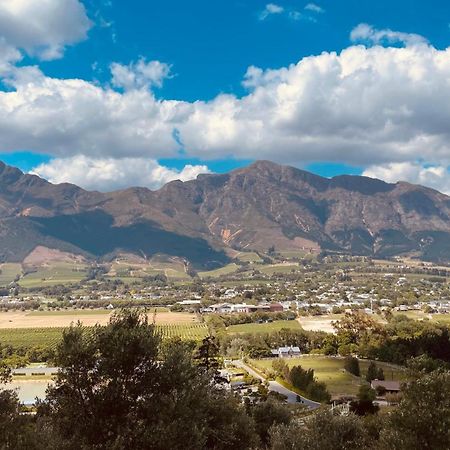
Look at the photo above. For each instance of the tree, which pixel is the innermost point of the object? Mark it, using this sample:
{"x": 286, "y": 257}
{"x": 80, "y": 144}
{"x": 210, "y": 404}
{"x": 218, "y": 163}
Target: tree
{"x": 208, "y": 354}
{"x": 380, "y": 374}
{"x": 372, "y": 372}
{"x": 364, "y": 405}
{"x": 351, "y": 365}
{"x": 280, "y": 367}
{"x": 120, "y": 386}
{"x": 422, "y": 419}
{"x": 16, "y": 430}
{"x": 322, "y": 431}
{"x": 267, "y": 414}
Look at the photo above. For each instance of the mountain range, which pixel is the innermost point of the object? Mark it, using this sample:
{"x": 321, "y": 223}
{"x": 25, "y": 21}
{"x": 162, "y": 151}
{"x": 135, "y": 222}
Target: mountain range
{"x": 207, "y": 220}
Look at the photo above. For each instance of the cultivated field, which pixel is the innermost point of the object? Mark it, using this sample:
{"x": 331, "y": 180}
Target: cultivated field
{"x": 319, "y": 323}
{"x": 278, "y": 268}
{"x": 54, "y": 273}
{"x": 229, "y": 268}
{"x": 9, "y": 272}
{"x": 264, "y": 327}
{"x": 50, "y": 336}
{"x": 63, "y": 318}
{"x": 249, "y": 257}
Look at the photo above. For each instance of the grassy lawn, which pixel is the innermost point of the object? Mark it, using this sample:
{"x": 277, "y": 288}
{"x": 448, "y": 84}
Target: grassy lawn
{"x": 9, "y": 272}
{"x": 392, "y": 372}
{"x": 331, "y": 371}
{"x": 264, "y": 327}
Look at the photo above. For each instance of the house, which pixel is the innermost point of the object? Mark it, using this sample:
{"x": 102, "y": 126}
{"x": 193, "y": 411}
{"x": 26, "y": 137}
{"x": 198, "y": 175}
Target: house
{"x": 189, "y": 302}
{"x": 391, "y": 387}
{"x": 276, "y": 307}
{"x": 227, "y": 308}
{"x": 286, "y": 352}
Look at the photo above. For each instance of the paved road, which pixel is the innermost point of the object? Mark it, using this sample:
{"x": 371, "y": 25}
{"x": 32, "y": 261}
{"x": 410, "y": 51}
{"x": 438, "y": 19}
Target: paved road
{"x": 274, "y": 386}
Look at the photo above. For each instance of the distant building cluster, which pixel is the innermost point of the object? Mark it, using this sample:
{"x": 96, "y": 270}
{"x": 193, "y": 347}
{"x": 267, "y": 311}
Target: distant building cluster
{"x": 229, "y": 308}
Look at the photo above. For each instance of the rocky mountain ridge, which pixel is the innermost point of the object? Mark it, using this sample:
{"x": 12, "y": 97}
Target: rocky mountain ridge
{"x": 205, "y": 220}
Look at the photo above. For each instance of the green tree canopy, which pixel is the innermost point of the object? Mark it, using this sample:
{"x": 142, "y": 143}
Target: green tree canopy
{"x": 119, "y": 387}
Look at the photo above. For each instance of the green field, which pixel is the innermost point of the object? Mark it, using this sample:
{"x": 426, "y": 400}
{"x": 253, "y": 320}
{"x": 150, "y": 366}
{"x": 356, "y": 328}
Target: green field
{"x": 420, "y": 315}
{"x": 130, "y": 271}
{"x": 9, "y": 272}
{"x": 278, "y": 268}
{"x": 264, "y": 327}
{"x": 331, "y": 371}
{"x": 302, "y": 254}
{"x": 49, "y": 337}
{"x": 30, "y": 337}
{"x": 190, "y": 331}
{"x": 229, "y": 268}
{"x": 176, "y": 274}
{"x": 249, "y": 257}
{"x": 53, "y": 274}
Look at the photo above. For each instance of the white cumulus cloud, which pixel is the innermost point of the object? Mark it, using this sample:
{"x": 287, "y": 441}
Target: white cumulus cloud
{"x": 140, "y": 75}
{"x": 437, "y": 177}
{"x": 43, "y": 28}
{"x": 363, "y": 106}
{"x": 107, "y": 174}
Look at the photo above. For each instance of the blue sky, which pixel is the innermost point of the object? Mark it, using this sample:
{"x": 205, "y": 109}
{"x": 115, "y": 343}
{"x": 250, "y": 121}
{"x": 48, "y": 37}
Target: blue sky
{"x": 204, "y": 49}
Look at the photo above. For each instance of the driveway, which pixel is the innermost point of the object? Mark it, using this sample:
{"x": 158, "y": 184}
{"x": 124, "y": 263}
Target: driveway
{"x": 274, "y": 386}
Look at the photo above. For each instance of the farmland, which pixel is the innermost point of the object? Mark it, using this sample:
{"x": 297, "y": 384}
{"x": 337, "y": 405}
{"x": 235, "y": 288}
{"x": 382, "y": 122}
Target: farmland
{"x": 193, "y": 331}
{"x": 9, "y": 272}
{"x": 63, "y": 318}
{"x": 331, "y": 371}
{"x": 54, "y": 273}
{"x": 31, "y": 337}
{"x": 319, "y": 323}
{"x": 278, "y": 268}
{"x": 229, "y": 268}
{"x": 264, "y": 327}
{"x": 49, "y": 337}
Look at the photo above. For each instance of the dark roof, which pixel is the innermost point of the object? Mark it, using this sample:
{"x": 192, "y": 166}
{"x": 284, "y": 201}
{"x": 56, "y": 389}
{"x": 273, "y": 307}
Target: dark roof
{"x": 388, "y": 385}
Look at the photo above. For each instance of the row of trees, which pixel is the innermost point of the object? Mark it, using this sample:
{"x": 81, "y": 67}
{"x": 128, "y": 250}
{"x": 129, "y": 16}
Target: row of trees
{"x": 398, "y": 341}
{"x": 302, "y": 379}
{"x": 351, "y": 365}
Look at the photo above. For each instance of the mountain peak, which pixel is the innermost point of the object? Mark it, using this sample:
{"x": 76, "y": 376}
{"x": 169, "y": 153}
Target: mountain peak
{"x": 252, "y": 208}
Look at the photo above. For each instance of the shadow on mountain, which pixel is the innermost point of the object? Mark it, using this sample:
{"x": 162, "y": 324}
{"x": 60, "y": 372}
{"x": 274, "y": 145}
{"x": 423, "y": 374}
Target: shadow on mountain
{"x": 95, "y": 233}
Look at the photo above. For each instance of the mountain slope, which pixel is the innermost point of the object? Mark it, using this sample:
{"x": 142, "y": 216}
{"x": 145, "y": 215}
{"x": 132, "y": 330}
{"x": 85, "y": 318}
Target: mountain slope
{"x": 260, "y": 206}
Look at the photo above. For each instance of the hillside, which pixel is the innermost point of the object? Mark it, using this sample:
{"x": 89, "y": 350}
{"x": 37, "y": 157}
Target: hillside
{"x": 206, "y": 219}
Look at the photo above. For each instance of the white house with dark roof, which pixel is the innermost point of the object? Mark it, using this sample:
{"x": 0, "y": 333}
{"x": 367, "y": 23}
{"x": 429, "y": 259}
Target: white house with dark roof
{"x": 286, "y": 352}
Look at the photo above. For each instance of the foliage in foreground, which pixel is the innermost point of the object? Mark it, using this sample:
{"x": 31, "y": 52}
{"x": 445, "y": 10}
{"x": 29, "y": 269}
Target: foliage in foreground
{"x": 122, "y": 386}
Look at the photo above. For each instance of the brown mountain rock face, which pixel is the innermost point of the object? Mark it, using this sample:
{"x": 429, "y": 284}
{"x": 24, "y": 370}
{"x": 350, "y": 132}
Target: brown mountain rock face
{"x": 254, "y": 208}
